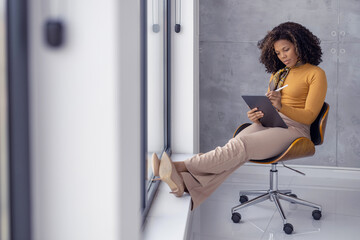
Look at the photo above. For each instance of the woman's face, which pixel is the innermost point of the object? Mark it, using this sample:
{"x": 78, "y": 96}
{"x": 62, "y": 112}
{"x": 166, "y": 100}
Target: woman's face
{"x": 286, "y": 52}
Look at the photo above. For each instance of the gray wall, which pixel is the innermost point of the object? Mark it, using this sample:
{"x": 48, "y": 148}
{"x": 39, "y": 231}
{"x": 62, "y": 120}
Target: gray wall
{"x": 229, "y": 67}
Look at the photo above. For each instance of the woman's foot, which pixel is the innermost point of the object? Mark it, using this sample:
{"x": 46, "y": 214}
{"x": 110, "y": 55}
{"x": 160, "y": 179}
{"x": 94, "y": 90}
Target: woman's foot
{"x": 155, "y": 164}
{"x": 168, "y": 174}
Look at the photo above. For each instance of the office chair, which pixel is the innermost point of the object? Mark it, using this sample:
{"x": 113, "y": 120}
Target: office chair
{"x": 300, "y": 147}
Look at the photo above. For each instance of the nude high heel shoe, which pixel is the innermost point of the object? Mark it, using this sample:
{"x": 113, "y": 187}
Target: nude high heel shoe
{"x": 155, "y": 164}
{"x": 170, "y": 176}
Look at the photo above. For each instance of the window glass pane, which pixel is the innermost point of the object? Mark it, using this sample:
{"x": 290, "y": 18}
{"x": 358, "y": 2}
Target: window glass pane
{"x": 156, "y": 66}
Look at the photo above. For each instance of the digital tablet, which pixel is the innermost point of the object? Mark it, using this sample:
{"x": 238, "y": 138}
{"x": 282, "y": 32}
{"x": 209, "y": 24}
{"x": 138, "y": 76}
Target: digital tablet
{"x": 271, "y": 116}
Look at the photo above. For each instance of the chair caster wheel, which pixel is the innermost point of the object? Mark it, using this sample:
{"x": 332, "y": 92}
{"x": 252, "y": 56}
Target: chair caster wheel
{"x": 243, "y": 198}
{"x": 288, "y": 228}
{"x": 316, "y": 214}
{"x": 236, "y": 217}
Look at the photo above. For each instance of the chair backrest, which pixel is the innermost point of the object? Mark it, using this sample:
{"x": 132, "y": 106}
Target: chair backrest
{"x": 317, "y": 128}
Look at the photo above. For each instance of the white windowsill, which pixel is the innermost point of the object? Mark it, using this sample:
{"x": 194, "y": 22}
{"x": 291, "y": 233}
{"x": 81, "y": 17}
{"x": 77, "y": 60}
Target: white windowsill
{"x": 169, "y": 216}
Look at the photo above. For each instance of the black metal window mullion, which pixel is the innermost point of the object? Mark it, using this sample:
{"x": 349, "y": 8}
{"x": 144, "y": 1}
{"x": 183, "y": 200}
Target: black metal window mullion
{"x": 143, "y": 114}
{"x": 167, "y": 107}
{"x": 19, "y": 151}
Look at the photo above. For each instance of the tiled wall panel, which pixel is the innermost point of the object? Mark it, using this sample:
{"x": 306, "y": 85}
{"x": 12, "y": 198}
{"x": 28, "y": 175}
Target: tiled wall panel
{"x": 348, "y": 141}
{"x": 224, "y": 77}
{"x": 244, "y": 20}
{"x": 349, "y": 20}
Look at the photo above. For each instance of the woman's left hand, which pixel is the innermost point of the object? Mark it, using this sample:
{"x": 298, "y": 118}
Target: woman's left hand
{"x": 275, "y": 98}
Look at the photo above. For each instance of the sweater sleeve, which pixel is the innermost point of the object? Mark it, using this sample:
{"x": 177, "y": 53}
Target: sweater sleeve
{"x": 313, "y": 103}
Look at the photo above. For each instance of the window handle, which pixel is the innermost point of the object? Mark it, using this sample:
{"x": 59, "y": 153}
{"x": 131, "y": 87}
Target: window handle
{"x": 177, "y": 16}
{"x": 54, "y": 30}
{"x": 155, "y": 16}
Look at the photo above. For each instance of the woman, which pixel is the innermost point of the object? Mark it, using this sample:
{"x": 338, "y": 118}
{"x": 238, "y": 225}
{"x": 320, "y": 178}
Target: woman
{"x": 291, "y": 53}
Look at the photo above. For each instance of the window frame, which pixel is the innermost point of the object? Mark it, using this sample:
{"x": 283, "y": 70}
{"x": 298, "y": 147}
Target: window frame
{"x": 149, "y": 188}
{"x": 18, "y": 119}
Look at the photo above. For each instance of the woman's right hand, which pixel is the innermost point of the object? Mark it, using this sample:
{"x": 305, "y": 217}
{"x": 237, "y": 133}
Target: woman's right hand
{"x": 254, "y": 115}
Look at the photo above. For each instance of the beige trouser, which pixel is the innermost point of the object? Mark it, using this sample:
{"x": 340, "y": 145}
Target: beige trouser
{"x": 209, "y": 170}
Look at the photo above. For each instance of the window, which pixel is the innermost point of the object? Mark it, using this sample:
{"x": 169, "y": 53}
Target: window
{"x": 156, "y": 97}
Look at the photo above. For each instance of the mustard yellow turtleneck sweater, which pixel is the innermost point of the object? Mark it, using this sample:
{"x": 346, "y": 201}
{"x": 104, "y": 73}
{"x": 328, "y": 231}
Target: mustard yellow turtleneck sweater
{"x": 305, "y": 94}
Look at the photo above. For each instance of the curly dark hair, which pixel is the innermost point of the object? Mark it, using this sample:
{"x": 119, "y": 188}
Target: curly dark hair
{"x": 307, "y": 45}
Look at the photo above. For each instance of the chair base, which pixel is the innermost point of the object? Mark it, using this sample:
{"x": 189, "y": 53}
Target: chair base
{"x": 274, "y": 195}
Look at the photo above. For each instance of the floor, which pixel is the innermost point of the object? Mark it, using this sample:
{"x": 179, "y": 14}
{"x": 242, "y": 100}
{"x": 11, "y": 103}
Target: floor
{"x": 336, "y": 190}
